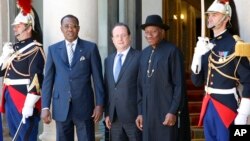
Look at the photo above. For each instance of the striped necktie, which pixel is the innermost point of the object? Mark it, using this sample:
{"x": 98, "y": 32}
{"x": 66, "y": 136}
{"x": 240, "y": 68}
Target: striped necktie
{"x": 70, "y": 52}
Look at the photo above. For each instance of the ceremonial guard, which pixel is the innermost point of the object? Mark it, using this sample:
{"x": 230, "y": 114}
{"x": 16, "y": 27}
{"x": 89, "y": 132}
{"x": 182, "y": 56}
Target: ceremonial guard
{"x": 222, "y": 65}
{"x": 22, "y": 66}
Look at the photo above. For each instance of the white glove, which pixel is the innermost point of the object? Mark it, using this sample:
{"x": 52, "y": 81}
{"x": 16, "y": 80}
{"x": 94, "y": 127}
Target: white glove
{"x": 202, "y": 47}
{"x": 7, "y": 52}
{"x": 243, "y": 112}
{"x": 196, "y": 64}
{"x": 240, "y": 119}
{"x": 29, "y": 105}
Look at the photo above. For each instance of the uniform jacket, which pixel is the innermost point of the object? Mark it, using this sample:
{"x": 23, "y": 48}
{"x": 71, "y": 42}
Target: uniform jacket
{"x": 64, "y": 85}
{"x": 26, "y": 65}
{"x": 122, "y": 95}
{"x": 226, "y": 105}
{"x": 161, "y": 91}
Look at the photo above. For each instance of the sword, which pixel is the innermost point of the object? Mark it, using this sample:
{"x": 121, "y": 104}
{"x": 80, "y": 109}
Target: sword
{"x": 18, "y": 130}
{"x": 203, "y": 31}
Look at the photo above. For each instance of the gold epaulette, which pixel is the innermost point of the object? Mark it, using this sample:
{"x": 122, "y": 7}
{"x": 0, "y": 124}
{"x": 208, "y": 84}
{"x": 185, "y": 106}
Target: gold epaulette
{"x": 242, "y": 48}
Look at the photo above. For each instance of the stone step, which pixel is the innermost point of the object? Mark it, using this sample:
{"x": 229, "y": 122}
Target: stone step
{"x": 194, "y": 106}
{"x": 195, "y": 95}
{"x": 198, "y": 140}
{"x": 194, "y": 118}
{"x": 187, "y": 75}
{"x": 197, "y": 132}
{"x": 190, "y": 85}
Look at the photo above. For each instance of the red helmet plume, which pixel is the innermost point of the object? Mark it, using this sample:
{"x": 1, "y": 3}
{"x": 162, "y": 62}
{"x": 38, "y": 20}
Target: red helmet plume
{"x": 25, "y": 6}
{"x": 224, "y": 1}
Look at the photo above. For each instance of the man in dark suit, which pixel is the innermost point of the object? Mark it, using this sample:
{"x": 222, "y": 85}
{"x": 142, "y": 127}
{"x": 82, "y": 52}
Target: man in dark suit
{"x": 67, "y": 83}
{"x": 121, "y": 87}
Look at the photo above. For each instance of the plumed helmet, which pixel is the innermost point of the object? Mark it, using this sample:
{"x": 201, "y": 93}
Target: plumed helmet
{"x": 26, "y": 19}
{"x": 221, "y": 6}
{"x": 26, "y": 14}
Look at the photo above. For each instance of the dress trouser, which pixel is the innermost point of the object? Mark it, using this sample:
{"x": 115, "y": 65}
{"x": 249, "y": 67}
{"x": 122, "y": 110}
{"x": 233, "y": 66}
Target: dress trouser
{"x": 29, "y": 130}
{"x": 84, "y": 129}
{"x": 125, "y": 131}
{"x": 214, "y": 129}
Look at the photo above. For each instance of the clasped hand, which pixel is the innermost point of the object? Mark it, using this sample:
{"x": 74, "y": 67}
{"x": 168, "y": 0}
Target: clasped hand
{"x": 7, "y": 49}
{"x": 203, "y": 46}
{"x": 27, "y": 112}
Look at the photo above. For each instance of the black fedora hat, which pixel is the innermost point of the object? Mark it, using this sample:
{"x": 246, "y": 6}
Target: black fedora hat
{"x": 154, "y": 20}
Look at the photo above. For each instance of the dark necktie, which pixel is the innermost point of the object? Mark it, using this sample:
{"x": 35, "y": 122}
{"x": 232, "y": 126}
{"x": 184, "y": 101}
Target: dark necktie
{"x": 118, "y": 66}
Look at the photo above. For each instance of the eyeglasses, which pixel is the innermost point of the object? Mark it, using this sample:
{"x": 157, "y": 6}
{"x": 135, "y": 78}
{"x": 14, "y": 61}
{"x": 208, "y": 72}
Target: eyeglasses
{"x": 67, "y": 26}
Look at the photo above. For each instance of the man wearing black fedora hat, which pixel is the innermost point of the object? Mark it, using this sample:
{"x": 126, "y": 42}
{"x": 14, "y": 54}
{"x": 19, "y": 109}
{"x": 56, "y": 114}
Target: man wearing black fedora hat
{"x": 160, "y": 84}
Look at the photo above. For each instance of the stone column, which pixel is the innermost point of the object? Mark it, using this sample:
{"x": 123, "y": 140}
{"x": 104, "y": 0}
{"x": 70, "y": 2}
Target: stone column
{"x": 241, "y": 7}
{"x": 4, "y": 22}
{"x": 4, "y": 37}
{"x": 53, "y": 11}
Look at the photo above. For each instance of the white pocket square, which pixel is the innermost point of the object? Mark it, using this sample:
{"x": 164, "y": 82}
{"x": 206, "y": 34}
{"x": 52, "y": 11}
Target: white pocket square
{"x": 82, "y": 58}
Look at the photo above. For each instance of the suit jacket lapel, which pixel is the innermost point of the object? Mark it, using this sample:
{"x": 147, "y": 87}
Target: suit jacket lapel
{"x": 77, "y": 52}
{"x": 126, "y": 63}
{"x": 64, "y": 54}
{"x": 111, "y": 66}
